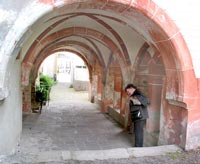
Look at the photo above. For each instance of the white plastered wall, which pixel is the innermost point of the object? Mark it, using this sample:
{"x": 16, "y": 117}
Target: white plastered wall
{"x": 11, "y": 111}
{"x": 11, "y": 32}
{"x": 185, "y": 14}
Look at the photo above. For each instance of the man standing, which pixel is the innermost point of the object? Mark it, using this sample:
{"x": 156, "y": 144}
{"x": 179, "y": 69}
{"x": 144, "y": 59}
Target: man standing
{"x": 138, "y": 111}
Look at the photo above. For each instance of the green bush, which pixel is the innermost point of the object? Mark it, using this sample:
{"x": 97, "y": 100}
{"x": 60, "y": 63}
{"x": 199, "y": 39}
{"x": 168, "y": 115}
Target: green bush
{"x": 46, "y": 82}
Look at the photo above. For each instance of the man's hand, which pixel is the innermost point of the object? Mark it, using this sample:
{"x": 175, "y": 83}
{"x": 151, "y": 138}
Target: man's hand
{"x": 135, "y": 100}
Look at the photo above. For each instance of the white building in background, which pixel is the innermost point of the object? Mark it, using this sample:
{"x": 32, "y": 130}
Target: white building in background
{"x": 66, "y": 67}
{"x": 48, "y": 66}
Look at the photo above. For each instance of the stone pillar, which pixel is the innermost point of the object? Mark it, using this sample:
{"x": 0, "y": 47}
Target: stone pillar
{"x": 107, "y": 97}
{"x": 173, "y": 119}
{"x": 27, "y": 99}
{"x": 94, "y": 87}
{"x": 99, "y": 85}
{"x": 117, "y": 89}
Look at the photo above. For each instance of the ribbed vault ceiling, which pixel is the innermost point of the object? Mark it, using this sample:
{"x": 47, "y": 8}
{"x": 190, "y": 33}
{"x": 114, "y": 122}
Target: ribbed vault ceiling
{"x": 96, "y": 34}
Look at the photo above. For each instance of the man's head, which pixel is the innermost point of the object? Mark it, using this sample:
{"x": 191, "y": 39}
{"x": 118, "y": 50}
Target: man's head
{"x": 130, "y": 89}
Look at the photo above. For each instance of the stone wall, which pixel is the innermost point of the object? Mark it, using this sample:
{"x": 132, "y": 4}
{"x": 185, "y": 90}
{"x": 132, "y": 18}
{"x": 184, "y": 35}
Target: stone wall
{"x": 81, "y": 85}
{"x": 11, "y": 112}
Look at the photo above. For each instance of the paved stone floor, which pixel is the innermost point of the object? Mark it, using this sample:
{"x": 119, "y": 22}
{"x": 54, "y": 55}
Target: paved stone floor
{"x": 71, "y": 123}
{"x": 70, "y": 129}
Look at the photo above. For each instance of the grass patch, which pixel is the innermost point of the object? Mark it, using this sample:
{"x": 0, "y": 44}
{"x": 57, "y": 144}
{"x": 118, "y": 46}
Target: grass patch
{"x": 176, "y": 155}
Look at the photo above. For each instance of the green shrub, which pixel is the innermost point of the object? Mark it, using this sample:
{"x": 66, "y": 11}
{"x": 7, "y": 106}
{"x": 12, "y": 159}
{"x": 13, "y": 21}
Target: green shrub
{"x": 46, "y": 82}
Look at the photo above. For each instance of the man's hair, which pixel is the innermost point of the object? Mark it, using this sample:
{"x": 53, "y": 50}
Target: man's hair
{"x": 130, "y": 86}
{"x": 137, "y": 91}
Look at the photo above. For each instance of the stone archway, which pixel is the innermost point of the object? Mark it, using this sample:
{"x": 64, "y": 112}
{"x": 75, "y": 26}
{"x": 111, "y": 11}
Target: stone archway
{"x": 149, "y": 75}
{"x": 112, "y": 95}
{"x": 167, "y": 41}
{"x": 33, "y": 74}
{"x": 137, "y": 22}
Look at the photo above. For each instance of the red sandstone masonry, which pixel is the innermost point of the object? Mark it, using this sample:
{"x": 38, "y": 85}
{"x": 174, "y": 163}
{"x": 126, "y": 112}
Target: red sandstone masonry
{"x": 180, "y": 78}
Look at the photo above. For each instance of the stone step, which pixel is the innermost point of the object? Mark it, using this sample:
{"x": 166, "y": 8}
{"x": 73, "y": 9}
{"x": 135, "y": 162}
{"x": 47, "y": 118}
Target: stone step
{"x": 92, "y": 155}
